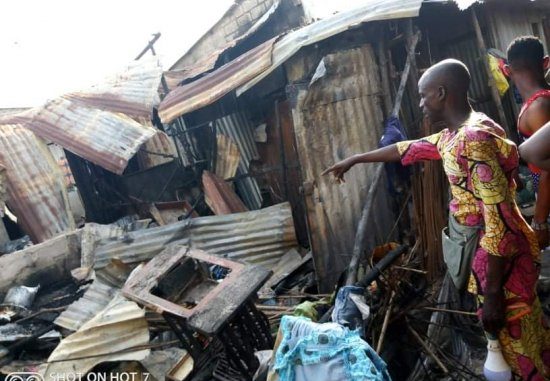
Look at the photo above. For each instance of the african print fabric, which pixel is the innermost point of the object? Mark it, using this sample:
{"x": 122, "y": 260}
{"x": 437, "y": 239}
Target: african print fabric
{"x": 479, "y": 163}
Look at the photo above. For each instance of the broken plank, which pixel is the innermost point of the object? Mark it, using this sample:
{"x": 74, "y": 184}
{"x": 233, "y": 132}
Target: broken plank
{"x": 220, "y": 196}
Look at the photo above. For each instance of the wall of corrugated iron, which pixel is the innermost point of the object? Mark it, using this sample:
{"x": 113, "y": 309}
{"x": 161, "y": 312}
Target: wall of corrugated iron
{"x": 260, "y": 237}
{"x": 467, "y": 51}
{"x": 340, "y": 115}
{"x": 509, "y": 21}
{"x": 35, "y": 186}
{"x": 241, "y": 132}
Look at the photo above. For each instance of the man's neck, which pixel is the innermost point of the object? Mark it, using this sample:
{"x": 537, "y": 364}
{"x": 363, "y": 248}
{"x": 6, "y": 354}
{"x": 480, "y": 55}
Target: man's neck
{"x": 455, "y": 118}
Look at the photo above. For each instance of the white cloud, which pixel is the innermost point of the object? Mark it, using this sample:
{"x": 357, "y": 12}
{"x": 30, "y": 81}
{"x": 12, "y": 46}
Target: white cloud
{"x": 50, "y": 47}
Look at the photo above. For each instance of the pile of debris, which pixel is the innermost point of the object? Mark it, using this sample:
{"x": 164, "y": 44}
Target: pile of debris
{"x": 205, "y": 297}
{"x": 227, "y": 258}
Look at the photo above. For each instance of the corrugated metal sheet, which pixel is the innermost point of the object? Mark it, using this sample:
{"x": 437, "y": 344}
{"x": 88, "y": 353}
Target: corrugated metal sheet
{"x": 175, "y": 77}
{"x": 158, "y": 150}
{"x": 241, "y": 131}
{"x": 227, "y": 157}
{"x": 512, "y": 20}
{"x": 465, "y": 4}
{"x": 340, "y": 115}
{"x": 133, "y": 92}
{"x": 467, "y": 51}
{"x": 35, "y": 186}
{"x": 107, "y": 337}
{"x": 105, "y": 124}
{"x": 105, "y": 138}
{"x": 259, "y": 237}
{"x": 94, "y": 300}
{"x": 373, "y": 10}
{"x": 3, "y": 190}
{"x": 215, "y": 85}
{"x": 228, "y": 29}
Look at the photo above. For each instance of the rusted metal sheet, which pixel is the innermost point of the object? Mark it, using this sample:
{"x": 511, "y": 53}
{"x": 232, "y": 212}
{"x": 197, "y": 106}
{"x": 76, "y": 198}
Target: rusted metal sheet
{"x": 158, "y": 150}
{"x": 260, "y": 237}
{"x": 174, "y": 77}
{"x": 373, "y": 10}
{"x": 281, "y": 165}
{"x": 215, "y": 85}
{"x": 239, "y": 128}
{"x": 338, "y": 116}
{"x": 36, "y": 188}
{"x": 240, "y": 21}
{"x": 105, "y": 138}
{"x": 3, "y": 190}
{"x": 105, "y": 124}
{"x": 95, "y": 299}
{"x": 109, "y": 336}
{"x": 133, "y": 92}
{"x": 220, "y": 196}
{"x": 227, "y": 157}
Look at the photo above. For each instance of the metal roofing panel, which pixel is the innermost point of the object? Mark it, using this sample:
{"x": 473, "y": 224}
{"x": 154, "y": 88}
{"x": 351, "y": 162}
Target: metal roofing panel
{"x": 215, "y": 85}
{"x": 105, "y": 138}
{"x": 175, "y": 77}
{"x": 36, "y": 189}
{"x": 94, "y": 300}
{"x": 373, "y": 10}
{"x": 133, "y": 92}
{"x": 105, "y": 124}
{"x": 158, "y": 150}
{"x": 241, "y": 131}
{"x": 3, "y": 190}
{"x": 261, "y": 237}
{"x": 109, "y": 336}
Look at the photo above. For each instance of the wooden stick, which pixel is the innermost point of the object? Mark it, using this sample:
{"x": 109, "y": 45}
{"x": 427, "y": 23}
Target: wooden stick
{"x": 428, "y": 350}
{"x": 450, "y": 311}
{"x": 42, "y": 311}
{"x": 410, "y": 269}
{"x": 385, "y": 323}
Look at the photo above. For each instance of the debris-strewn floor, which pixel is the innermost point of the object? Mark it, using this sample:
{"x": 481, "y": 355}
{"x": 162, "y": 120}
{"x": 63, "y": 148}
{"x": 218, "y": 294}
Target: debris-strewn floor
{"x": 205, "y": 316}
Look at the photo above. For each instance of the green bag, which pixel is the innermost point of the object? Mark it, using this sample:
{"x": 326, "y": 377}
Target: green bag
{"x": 459, "y": 246}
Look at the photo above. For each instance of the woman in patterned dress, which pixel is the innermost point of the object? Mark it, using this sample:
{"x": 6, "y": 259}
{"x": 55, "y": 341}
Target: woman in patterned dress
{"x": 480, "y": 163}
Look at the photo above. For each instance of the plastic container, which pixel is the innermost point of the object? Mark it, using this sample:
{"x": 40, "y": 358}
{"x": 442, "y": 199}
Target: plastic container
{"x": 496, "y": 368}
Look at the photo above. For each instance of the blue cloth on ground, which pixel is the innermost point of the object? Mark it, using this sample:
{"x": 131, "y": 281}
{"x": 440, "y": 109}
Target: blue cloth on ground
{"x": 311, "y": 351}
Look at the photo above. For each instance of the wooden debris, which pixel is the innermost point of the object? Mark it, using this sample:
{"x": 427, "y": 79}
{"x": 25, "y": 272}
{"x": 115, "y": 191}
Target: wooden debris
{"x": 220, "y": 197}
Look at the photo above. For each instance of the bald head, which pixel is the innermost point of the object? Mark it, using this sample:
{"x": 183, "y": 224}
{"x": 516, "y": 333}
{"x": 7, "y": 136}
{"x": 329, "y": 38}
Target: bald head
{"x": 443, "y": 89}
{"x": 451, "y": 74}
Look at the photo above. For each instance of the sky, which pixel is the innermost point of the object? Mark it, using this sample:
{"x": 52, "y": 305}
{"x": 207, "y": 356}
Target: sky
{"x": 51, "y": 47}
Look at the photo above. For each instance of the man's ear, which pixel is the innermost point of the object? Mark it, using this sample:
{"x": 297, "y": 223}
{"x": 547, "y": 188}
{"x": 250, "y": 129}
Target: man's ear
{"x": 441, "y": 93}
{"x": 507, "y": 71}
{"x": 546, "y": 62}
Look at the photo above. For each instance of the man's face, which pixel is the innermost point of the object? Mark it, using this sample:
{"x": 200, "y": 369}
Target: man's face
{"x": 431, "y": 99}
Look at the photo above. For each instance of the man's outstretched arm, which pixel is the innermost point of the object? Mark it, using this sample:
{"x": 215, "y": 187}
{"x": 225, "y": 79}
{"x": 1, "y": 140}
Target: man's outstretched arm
{"x": 385, "y": 154}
